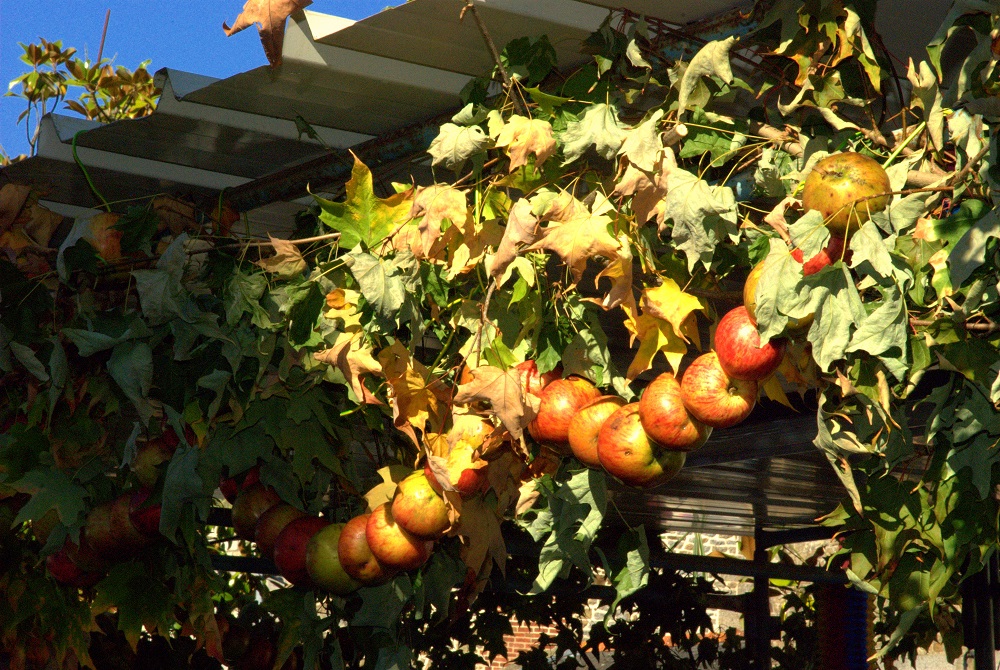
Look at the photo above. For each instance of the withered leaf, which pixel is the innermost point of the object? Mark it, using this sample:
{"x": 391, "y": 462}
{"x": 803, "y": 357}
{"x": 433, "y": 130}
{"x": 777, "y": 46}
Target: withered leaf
{"x": 353, "y": 358}
{"x": 522, "y": 230}
{"x": 269, "y": 15}
{"x": 502, "y": 389}
{"x": 435, "y": 204}
{"x": 523, "y": 136}
{"x": 287, "y": 260}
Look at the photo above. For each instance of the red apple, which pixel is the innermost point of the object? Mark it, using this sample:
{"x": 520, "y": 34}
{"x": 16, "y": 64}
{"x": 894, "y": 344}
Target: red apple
{"x": 109, "y": 530}
{"x": 532, "y": 381}
{"x": 250, "y": 504}
{"x": 665, "y": 419}
{"x": 231, "y": 486}
{"x": 271, "y": 523}
{"x": 740, "y": 351}
{"x": 323, "y": 562}
{"x": 393, "y": 546}
{"x": 585, "y": 426}
{"x": 712, "y": 397}
{"x": 145, "y": 518}
{"x": 419, "y": 509}
{"x": 627, "y": 453}
{"x": 846, "y": 188}
{"x": 830, "y": 254}
{"x": 290, "y": 548}
{"x": 63, "y": 567}
{"x": 560, "y": 401}
{"x": 356, "y": 556}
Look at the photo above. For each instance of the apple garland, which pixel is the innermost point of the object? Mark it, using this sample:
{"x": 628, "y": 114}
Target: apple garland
{"x": 378, "y": 395}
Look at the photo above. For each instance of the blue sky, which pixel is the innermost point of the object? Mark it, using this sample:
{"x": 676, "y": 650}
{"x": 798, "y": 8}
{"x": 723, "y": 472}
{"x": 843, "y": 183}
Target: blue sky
{"x": 181, "y": 34}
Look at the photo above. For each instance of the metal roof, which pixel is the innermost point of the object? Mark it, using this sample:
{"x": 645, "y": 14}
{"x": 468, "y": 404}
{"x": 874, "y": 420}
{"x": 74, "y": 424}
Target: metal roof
{"x": 355, "y": 83}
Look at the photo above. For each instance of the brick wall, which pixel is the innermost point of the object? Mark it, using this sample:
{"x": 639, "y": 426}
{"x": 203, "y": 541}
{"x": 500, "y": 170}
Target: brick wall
{"x": 525, "y": 637}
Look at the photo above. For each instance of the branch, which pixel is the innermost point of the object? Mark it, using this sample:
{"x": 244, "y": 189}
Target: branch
{"x": 491, "y": 45}
{"x": 976, "y": 326}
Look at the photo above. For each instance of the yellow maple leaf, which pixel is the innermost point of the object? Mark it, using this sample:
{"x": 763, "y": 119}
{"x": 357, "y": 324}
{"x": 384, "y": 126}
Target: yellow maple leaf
{"x": 353, "y": 357}
{"x": 579, "y": 238}
{"x": 523, "y": 136}
{"x": 432, "y": 206}
{"x": 414, "y": 397}
{"x": 667, "y": 324}
{"x": 669, "y": 303}
{"x": 503, "y": 390}
{"x": 521, "y": 230}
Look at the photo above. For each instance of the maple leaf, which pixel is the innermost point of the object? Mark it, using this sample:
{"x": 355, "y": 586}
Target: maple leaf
{"x": 287, "y": 260}
{"x": 12, "y": 200}
{"x": 362, "y": 216}
{"x": 415, "y": 401}
{"x": 523, "y": 136}
{"x": 433, "y": 205}
{"x": 619, "y": 271}
{"x": 521, "y": 230}
{"x": 353, "y": 358}
{"x": 648, "y": 190}
{"x": 667, "y": 324}
{"x": 503, "y": 390}
{"x": 481, "y": 536}
{"x": 269, "y": 15}
{"x": 382, "y": 493}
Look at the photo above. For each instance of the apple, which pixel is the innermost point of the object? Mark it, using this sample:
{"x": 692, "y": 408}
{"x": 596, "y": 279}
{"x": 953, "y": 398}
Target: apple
{"x": 271, "y": 523}
{"x": 828, "y": 255}
{"x": 290, "y": 548}
{"x": 250, "y": 504}
{"x": 740, "y": 352}
{"x": 560, "y": 401}
{"x": 532, "y": 381}
{"x": 665, "y": 419}
{"x": 585, "y": 426}
{"x": 356, "y": 556}
{"x": 627, "y": 453}
{"x": 393, "y": 546}
{"x": 149, "y": 456}
{"x": 109, "y": 530}
{"x": 712, "y": 397}
{"x": 63, "y": 567}
{"x": 846, "y": 188}
{"x": 145, "y": 517}
{"x": 231, "y": 486}
{"x": 323, "y": 562}
{"x": 419, "y": 509}
{"x": 43, "y": 526}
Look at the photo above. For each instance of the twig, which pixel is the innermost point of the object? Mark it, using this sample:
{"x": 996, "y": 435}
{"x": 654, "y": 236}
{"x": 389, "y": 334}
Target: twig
{"x": 104, "y": 34}
{"x": 675, "y": 135}
{"x": 977, "y": 327}
{"x": 491, "y": 45}
{"x": 727, "y": 296}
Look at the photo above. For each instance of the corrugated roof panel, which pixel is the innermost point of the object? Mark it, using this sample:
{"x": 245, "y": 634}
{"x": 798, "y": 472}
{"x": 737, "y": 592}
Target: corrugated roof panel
{"x": 675, "y": 11}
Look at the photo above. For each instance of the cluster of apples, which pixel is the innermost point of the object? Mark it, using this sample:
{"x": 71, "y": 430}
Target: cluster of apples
{"x": 369, "y": 549}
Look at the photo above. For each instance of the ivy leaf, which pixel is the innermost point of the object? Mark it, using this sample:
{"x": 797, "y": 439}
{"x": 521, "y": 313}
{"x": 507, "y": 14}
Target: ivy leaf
{"x": 579, "y": 238}
{"x": 482, "y": 538}
{"x": 162, "y": 298}
{"x": 89, "y": 342}
{"x": 306, "y": 305}
{"x": 503, "y": 390}
{"x": 287, "y": 261}
{"x": 709, "y": 135}
{"x": 834, "y": 316}
{"x": 703, "y": 216}
{"x": 380, "y": 284}
{"x": 363, "y": 217}
{"x": 414, "y": 398}
{"x": 51, "y": 489}
{"x": 138, "y": 226}
{"x": 353, "y": 357}
{"x": 140, "y": 598}
{"x": 308, "y": 444}
{"x": 643, "y": 146}
{"x": 970, "y": 251}
{"x": 26, "y": 356}
{"x": 599, "y": 126}
{"x": 522, "y": 136}
{"x": 711, "y": 59}
{"x": 634, "y": 574}
{"x": 433, "y": 206}
{"x": 867, "y": 246}
{"x": 454, "y": 145}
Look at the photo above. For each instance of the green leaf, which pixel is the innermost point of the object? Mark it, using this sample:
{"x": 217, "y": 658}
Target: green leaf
{"x": 26, "y": 357}
{"x": 182, "y": 485}
{"x": 711, "y": 59}
{"x": 381, "y": 606}
{"x": 883, "y": 333}
{"x": 455, "y": 145}
{"x": 970, "y": 251}
{"x": 643, "y": 145}
{"x": 634, "y": 574}
{"x": 809, "y": 233}
{"x": 709, "y": 135}
{"x": 306, "y": 305}
{"x": 381, "y": 286}
{"x": 703, "y": 216}
{"x": 138, "y": 226}
{"x": 529, "y": 59}
{"x": 598, "y": 127}
{"x": 308, "y": 442}
{"x": 242, "y": 295}
{"x": 140, "y": 598}
{"x": 52, "y": 489}
{"x": 131, "y": 366}
{"x": 162, "y": 297}
{"x": 363, "y": 217}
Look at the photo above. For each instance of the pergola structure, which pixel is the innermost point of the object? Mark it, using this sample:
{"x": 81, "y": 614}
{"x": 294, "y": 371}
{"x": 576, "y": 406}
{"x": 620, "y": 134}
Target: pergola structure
{"x": 379, "y": 88}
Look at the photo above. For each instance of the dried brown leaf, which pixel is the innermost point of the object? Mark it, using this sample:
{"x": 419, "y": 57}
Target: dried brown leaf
{"x": 523, "y": 136}
{"x": 287, "y": 260}
{"x": 522, "y": 230}
{"x": 502, "y": 389}
{"x": 12, "y": 199}
{"x": 353, "y": 358}
{"x": 269, "y": 15}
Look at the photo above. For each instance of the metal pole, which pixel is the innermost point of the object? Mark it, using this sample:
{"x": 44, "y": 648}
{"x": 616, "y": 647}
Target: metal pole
{"x": 985, "y": 655}
{"x": 757, "y": 617}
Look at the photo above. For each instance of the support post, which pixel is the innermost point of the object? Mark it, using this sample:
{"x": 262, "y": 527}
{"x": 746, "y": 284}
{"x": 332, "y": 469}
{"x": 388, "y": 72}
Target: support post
{"x": 757, "y": 615}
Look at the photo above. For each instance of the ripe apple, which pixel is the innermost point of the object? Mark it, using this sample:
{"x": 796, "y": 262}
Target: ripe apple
{"x": 149, "y": 456}
{"x": 665, "y": 419}
{"x": 356, "y": 556}
{"x": 532, "y": 381}
{"x": 560, "y": 401}
{"x": 586, "y": 425}
{"x": 323, "y": 562}
{"x": 109, "y": 530}
{"x": 271, "y": 523}
{"x": 63, "y": 567}
{"x": 627, "y": 453}
{"x": 145, "y": 517}
{"x": 740, "y": 352}
{"x": 290, "y": 548}
{"x": 712, "y": 397}
{"x": 392, "y": 545}
{"x": 419, "y": 509}
{"x": 250, "y": 504}
{"x": 231, "y": 486}
{"x": 828, "y": 255}
{"x": 846, "y": 188}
